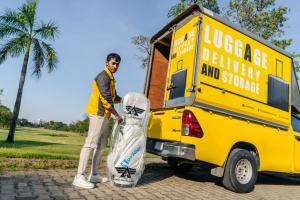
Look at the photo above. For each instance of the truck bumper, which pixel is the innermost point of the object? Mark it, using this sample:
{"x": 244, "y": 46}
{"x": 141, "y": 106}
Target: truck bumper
{"x": 171, "y": 149}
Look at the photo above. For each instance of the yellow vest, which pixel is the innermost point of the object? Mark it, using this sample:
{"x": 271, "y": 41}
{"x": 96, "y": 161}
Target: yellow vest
{"x": 97, "y": 101}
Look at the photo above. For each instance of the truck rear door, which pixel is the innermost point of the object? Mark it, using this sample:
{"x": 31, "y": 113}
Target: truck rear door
{"x": 165, "y": 123}
{"x": 180, "y": 76}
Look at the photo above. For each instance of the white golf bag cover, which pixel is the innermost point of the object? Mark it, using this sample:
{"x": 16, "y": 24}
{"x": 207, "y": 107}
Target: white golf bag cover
{"x": 125, "y": 161}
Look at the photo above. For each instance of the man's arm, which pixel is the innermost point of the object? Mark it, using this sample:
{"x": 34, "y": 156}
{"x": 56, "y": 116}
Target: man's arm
{"x": 118, "y": 99}
{"x": 103, "y": 83}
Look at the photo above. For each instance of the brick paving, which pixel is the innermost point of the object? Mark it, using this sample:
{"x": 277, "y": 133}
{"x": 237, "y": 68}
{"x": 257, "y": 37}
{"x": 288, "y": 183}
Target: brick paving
{"x": 158, "y": 182}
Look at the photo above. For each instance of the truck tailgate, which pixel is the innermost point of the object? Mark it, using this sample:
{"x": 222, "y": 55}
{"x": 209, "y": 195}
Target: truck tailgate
{"x": 165, "y": 124}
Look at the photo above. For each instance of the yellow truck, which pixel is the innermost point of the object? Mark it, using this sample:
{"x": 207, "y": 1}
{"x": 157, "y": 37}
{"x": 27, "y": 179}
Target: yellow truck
{"x": 223, "y": 97}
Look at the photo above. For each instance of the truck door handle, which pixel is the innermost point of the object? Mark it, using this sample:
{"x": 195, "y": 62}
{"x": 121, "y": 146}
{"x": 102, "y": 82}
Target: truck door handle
{"x": 191, "y": 89}
{"x": 297, "y": 138}
{"x": 171, "y": 87}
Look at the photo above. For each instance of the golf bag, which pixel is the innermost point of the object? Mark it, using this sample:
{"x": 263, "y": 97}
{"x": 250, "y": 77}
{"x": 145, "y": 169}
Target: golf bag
{"x": 125, "y": 162}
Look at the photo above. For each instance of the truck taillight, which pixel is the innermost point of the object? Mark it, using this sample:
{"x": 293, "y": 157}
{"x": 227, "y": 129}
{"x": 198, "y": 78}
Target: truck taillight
{"x": 190, "y": 125}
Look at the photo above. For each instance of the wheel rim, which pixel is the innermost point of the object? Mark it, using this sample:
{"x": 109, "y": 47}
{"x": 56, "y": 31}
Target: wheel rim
{"x": 243, "y": 171}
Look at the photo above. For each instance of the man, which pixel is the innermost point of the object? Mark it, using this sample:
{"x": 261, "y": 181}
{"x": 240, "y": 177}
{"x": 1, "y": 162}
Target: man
{"x": 99, "y": 109}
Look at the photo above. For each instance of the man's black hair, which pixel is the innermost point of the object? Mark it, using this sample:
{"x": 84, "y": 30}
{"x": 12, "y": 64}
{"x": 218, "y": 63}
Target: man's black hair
{"x": 116, "y": 56}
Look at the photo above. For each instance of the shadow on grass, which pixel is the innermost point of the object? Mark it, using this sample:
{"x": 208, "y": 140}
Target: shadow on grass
{"x": 31, "y": 130}
{"x": 26, "y": 143}
{"x": 54, "y": 134}
{"x": 25, "y": 130}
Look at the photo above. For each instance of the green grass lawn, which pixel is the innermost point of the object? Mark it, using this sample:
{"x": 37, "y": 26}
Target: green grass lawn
{"x": 42, "y": 143}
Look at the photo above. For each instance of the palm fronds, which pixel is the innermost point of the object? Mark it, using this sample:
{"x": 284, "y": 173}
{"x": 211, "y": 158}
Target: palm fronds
{"x": 47, "y": 31}
{"x": 51, "y": 57}
{"x": 14, "y": 47}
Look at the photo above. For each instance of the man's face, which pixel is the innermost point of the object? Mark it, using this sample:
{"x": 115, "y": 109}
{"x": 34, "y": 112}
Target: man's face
{"x": 112, "y": 65}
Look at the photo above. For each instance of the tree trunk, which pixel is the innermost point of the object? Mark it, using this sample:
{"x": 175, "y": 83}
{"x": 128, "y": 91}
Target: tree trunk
{"x": 11, "y": 134}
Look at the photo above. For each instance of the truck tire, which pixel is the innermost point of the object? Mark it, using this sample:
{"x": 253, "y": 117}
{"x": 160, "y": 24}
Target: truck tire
{"x": 174, "y": 164}
{"x": 240, "y": 172}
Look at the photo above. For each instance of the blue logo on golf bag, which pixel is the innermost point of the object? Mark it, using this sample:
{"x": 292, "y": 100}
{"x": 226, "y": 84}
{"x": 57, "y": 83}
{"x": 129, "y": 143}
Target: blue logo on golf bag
{"x": 126, "y": 161}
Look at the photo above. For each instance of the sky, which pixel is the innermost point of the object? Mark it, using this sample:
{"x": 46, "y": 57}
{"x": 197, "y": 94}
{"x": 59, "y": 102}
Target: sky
{"x": 89, "y": 30}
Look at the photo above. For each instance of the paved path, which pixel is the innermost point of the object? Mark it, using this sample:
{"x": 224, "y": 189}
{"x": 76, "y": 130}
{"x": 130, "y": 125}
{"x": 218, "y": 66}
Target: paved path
{"x": 158, "y": 182}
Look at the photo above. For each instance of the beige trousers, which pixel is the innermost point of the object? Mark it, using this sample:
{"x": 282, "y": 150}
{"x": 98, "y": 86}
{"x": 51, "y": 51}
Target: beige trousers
{"x": 96, "y": 140}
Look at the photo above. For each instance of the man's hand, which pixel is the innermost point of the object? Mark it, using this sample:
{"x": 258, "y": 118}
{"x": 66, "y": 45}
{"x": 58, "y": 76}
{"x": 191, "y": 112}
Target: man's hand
{"x": 116, "y": 114}
{"x": 119, "y": 119}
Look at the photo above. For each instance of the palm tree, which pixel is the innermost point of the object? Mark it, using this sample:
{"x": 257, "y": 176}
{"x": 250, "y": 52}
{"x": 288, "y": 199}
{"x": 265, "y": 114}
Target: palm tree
{"x": 22, "y": 35}
{"x": 1, "y": 91}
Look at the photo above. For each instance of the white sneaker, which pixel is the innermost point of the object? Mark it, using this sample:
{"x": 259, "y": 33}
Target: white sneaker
{"x": 97, "y": 179}
{"x": 80, "y": 181}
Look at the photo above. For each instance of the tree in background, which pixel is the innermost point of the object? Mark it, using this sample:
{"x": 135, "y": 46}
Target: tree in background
{"x": 297, "y": 66}
{"x": 296, "y": 62}
{"x": 143, "y": 44}
{"x": 25, "y": 123}
{"x": 53, "y": 125}
{"x": 184, "y": 4}
{"x": 5, "y": 116}
{"x": 1, "y": 92}
{"x": 24, "y": 35}
{"x": 262, "y": 18}
{"x": 80, "y": 126}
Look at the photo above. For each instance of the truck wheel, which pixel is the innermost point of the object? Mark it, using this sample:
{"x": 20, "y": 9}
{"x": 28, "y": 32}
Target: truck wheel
{"x": 240, "y": 171}
{"x": 174, "y": 164}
